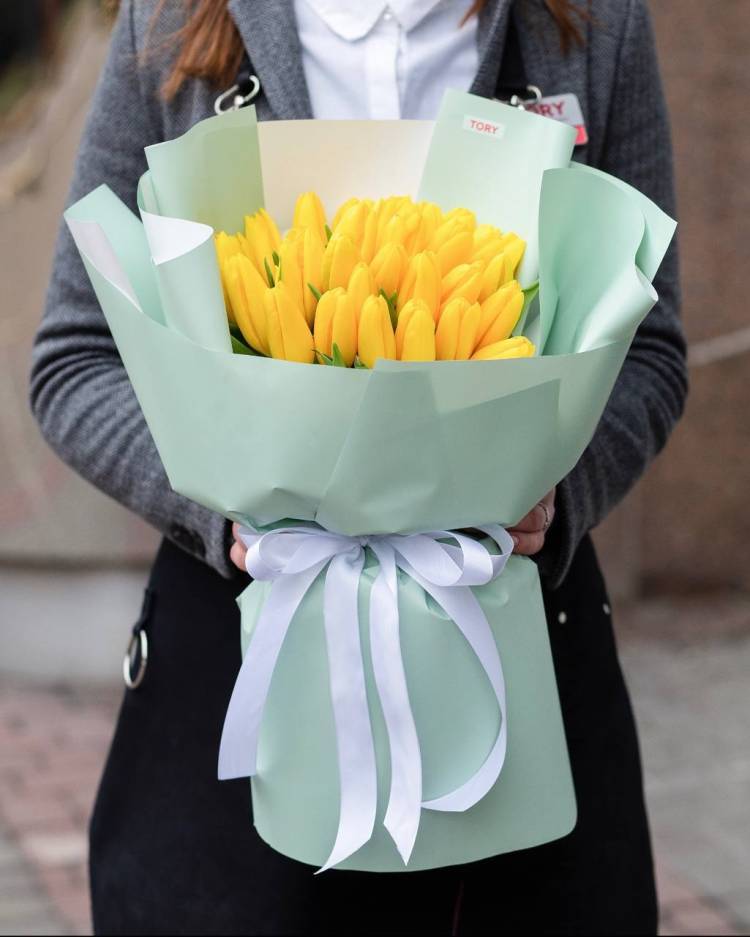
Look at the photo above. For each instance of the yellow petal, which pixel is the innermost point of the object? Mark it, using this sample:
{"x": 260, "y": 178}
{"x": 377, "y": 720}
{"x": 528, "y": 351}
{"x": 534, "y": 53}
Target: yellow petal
{"x": 500, "y": 314}
{"x": 345, "y": 328}
{"x": 309, "y": 213}
{"x": 312, "y": 271}
{"x": 468, "y": 285}
{"x": 258, "y": 245}
{"x": 361, "y": 285}
{"x": 375, "y": 336}
{"x": 324, "y": 316}
{"x": 289, "y": 336}
{"x": 352, "y": 222}
{"x": 290, "y": 269}
{"x": 247, "y": 291}
{"x": 339, "y": 259}
{"x": 422, "y": 281}
{"x": 418, "y": 342}
{"x": 446, "y": 335}
{"x": 519, "y": 347}
{"x": 388, "y": 267}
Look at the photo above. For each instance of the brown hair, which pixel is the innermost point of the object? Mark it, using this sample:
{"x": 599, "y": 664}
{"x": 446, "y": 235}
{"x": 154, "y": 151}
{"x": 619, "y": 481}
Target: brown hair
{"x": 208, "y": 45}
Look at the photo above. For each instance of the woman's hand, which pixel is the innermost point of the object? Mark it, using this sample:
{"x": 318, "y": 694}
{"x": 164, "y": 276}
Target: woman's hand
{"x": 529, "y": 533}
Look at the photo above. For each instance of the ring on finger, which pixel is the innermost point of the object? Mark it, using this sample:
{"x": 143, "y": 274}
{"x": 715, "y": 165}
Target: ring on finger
{"x": 547, "y": 517}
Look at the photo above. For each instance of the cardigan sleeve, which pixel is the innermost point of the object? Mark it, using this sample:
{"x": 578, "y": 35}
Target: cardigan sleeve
{"x": 650, "y": 392}
{"x": 80, "y": 392}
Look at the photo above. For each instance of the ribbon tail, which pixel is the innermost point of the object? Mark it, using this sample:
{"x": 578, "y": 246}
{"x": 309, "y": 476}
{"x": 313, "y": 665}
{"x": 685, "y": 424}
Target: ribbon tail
{"x": 239, "y": 738}
{"x": 405, "y": 799}
{"x": 463, "y": 607}
{"x": 356, "y": 750}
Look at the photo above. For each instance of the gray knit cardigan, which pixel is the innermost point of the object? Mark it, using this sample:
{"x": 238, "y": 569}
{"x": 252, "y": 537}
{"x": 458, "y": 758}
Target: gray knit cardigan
{"x": 80, "y": 392}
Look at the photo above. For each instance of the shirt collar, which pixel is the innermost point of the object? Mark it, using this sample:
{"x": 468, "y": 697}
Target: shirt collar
{"x": 353, "y": 19}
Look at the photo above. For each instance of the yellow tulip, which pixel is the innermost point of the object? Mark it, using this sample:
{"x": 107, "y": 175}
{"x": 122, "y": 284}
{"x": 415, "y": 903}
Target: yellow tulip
{"x": 261, "y": 239}
{"x": 422, "y": 281}
{"x": 519, "y": 347}
{"x": 500, "y": 314}
{"x": 494, "y": 276}
{"x": 289, "y": 336}
{"x": 247, "y": 290}
{"x": 430, "y": 218}
{"x": 342, "y": 210}
{"x": 339, "y": 259}
{"x": 485, "y": 234}
{"x": 352, "y": 222}
{"x": 456, "y": 250}
{"x": 309, "y": 213}
{"x": 290, "y": 269}
{"x": 415, "y": 332}
{"x": 361, "y": 285}
{"x": 456, "y": 335}
{"x": 388, "y": 267}
{"x": 370, "y": 235}
{"x": 336, "y": 324}
{"x": 464, "y": 280}
{"x": 227, "y": 245}
{"x": 513, "y": 251}
{"x": 466, "y": 218}
{"x": 375, "y": 338}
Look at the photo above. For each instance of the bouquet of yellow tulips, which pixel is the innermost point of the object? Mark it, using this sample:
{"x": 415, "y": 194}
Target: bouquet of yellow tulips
{"x": 388, "y": 279}
{"x": 396, "y": 705}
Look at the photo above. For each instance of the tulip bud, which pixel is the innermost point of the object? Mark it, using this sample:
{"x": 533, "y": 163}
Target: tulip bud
{"x": 339, "y": 259}
{"x": 415, "y": 332}
{"x": 519, "y": 347}
{"x": 342, "y": 210}
{"x": 464, "y": 280}
{"x": 289, "y": 336}
{"x": 456, "y": 334}
{"x": 336, "y": 324}
{"x": 430, "y": 218}
{"x": 456, "y": 250}
{"x": 500, "y": 314}
{"x": 309, "y": 213}
{"x": 259, "y": 243}
{"x": 247, "y": 289}
{"x": 376, "y": 338}
{"x": 352, "y": 222}
{"x": 388, "y": 267}
{"x": 290, "y": 269}
{"x": 361, "y": 285}
{"x": 227, "y": 245}
{"x": 422, "y": 281}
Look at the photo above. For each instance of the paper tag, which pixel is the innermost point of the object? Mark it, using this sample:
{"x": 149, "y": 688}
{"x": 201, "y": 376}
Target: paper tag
{"x": 565, "y": 108}
{"x": 487, "y": 128}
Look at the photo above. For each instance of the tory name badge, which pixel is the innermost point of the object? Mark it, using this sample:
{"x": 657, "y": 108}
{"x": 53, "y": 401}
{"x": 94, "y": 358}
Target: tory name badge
{"x": 562, "y": 107}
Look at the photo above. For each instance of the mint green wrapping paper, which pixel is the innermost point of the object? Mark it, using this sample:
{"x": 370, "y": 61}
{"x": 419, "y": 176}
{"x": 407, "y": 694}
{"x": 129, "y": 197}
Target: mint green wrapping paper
{"x": 402, "y": 448}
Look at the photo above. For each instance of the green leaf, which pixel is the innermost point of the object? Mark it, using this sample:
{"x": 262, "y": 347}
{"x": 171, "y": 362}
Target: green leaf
{"x": 338, "y": 358}
{"x": 391, "y": 301}
{"x": 269, "y": 274}
{"x": 329, "y": 233}
{"x": 276, "y": 260}
{"x": 326, "y": 359}
{"x": 358, "y": 364}
{"x": 316, "y": 293}
{"x": 240, "y": 348}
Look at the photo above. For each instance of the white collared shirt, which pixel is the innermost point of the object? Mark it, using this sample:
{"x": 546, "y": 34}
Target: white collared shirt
{"x": 385, "y": 60}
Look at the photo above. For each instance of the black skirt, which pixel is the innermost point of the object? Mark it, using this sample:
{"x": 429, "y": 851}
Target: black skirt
{"x": 174, "y": 851}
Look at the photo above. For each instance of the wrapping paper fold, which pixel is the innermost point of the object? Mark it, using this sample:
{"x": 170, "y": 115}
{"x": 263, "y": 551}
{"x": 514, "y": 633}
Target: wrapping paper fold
{"x": 404, "y": 447}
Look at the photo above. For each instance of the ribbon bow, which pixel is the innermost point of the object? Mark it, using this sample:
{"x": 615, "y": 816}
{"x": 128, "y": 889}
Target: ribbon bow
{"x": 445, "y": 564}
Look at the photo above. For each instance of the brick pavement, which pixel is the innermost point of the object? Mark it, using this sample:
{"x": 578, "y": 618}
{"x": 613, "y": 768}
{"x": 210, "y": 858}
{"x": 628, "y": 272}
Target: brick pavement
{"x": 53, "y": 743}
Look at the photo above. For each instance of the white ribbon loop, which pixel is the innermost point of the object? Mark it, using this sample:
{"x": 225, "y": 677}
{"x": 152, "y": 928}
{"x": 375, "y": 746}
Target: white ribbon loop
{"x": 445, "y": 564}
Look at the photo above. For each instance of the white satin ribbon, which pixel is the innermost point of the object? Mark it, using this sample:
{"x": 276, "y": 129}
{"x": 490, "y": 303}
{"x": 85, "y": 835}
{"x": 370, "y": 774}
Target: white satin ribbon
{"x": 291, "y": 558}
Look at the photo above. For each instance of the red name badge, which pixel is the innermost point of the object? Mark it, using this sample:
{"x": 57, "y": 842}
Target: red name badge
{"x": 563, "y": 107}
